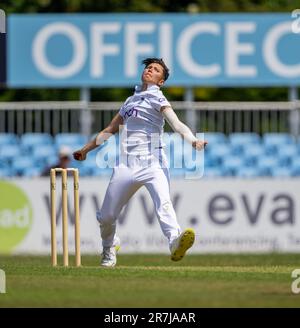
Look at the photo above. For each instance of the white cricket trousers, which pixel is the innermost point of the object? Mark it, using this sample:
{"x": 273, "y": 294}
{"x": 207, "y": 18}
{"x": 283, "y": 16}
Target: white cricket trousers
{"x": 124, "y": 182}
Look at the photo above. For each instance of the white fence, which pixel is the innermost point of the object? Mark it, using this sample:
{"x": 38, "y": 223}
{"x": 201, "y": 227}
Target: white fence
{"x": 90, "y": 117}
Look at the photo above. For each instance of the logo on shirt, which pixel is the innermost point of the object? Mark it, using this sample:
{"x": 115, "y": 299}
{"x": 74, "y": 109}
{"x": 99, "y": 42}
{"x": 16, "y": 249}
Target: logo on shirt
{"x": 131, "y": 112}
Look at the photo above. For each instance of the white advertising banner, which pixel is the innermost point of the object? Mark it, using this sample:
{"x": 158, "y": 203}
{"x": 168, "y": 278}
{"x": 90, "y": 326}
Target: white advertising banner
{"x": 228, "y": 215}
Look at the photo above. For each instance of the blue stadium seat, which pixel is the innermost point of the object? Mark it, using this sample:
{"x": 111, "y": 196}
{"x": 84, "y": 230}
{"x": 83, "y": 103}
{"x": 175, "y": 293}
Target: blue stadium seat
{"x": 231, "y": 164}
{"x": 295, "y": 171}
{"x": 286, "y": 154}
{"x": 278, "y": 138}
{"x": 6, "y": 172}
{"x": 298, "y": 146}
{"x": 31, "y": 172}
{"x": 42, "y": 154}
{"x": 271, "y": 149}
{"x": 86, "y": 167}
{"x": 237, "y": 150}
{"x": 4, "y": 164}
{"x": 210, "y": 161}
{"x": 240, "y": 141}
{"x": 92, "y": 155}
{"x": 242, "y": 154}
{"x": 76, "y": 164}
{"x": 21, "y": 163}
{"x": 215, "y": 137}
{"x": 252, "y": 152}
{"x": 8, "y": 152}
{"x": 274, "y": 141}
{"x": 295, "y": 166}
{"x": 30, "y": 140}
{"x": 281, "y": 172}
{"x": 84, "y": 171}
{"x": 8, "y": 139}
{"x": 218, "y": 152}
{"x": 247, "y": 172}
{"x": 69, "y": 139}
{"x": 243, "y": 137}
{"x": 51, "y": 161}
{"x": 295, "y": 161}
{"x": 265, "y": 164}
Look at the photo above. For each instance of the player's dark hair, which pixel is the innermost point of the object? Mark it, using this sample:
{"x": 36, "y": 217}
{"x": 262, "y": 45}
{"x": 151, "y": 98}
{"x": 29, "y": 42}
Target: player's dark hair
{"x": 159, "y": 61}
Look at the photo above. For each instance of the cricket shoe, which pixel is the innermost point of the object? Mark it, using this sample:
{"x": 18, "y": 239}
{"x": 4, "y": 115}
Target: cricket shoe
{"x": 109, "y": 255}
{"x": 181, "y": 244}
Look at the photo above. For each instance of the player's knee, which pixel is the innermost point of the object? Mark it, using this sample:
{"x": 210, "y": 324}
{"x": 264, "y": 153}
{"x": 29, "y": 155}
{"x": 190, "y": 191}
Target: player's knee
{"x": 104, "y": 218}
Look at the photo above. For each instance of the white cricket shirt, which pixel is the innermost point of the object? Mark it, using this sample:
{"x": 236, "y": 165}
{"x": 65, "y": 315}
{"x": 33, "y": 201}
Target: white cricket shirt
{"x": 143, "y": 122}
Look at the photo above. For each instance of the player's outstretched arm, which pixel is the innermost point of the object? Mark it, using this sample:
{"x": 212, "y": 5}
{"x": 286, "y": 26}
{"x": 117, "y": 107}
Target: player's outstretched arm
{"x": 112, "y": 128}
{"x": 181, "y": 128}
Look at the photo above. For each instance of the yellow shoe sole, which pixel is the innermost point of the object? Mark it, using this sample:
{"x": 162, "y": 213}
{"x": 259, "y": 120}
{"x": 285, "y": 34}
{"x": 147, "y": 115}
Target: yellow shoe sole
{"x": 186, "y": 242}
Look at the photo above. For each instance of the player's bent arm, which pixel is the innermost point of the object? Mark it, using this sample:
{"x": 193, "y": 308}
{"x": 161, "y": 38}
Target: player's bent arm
{"x": 111, "y": 129}
{"x": 102, "y": 136}
{"x": 179, "y": 127}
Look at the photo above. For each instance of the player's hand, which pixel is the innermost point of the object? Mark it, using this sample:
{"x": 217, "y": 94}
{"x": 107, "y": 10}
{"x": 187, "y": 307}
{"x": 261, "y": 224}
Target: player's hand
{"x": 199, "y": 145}
{"x": 79, "y": 155}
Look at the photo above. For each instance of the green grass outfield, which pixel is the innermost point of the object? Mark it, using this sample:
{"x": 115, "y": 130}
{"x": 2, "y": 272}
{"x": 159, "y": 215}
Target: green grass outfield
{"x": 153, "y": 281}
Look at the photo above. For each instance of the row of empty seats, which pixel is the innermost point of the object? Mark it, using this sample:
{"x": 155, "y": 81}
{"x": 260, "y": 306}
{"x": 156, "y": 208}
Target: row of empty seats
{"x": 238, "y": 154}
{"x": 30, "y": 140}
{"x": 249, "y": 155}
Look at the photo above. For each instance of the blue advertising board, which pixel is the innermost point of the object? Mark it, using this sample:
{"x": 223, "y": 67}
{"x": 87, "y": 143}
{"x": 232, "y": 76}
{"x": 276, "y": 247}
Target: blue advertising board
{"x": 102, "y": 50}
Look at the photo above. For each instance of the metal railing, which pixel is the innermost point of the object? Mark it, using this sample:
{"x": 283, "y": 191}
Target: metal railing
{"x": 227, "y": 117}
